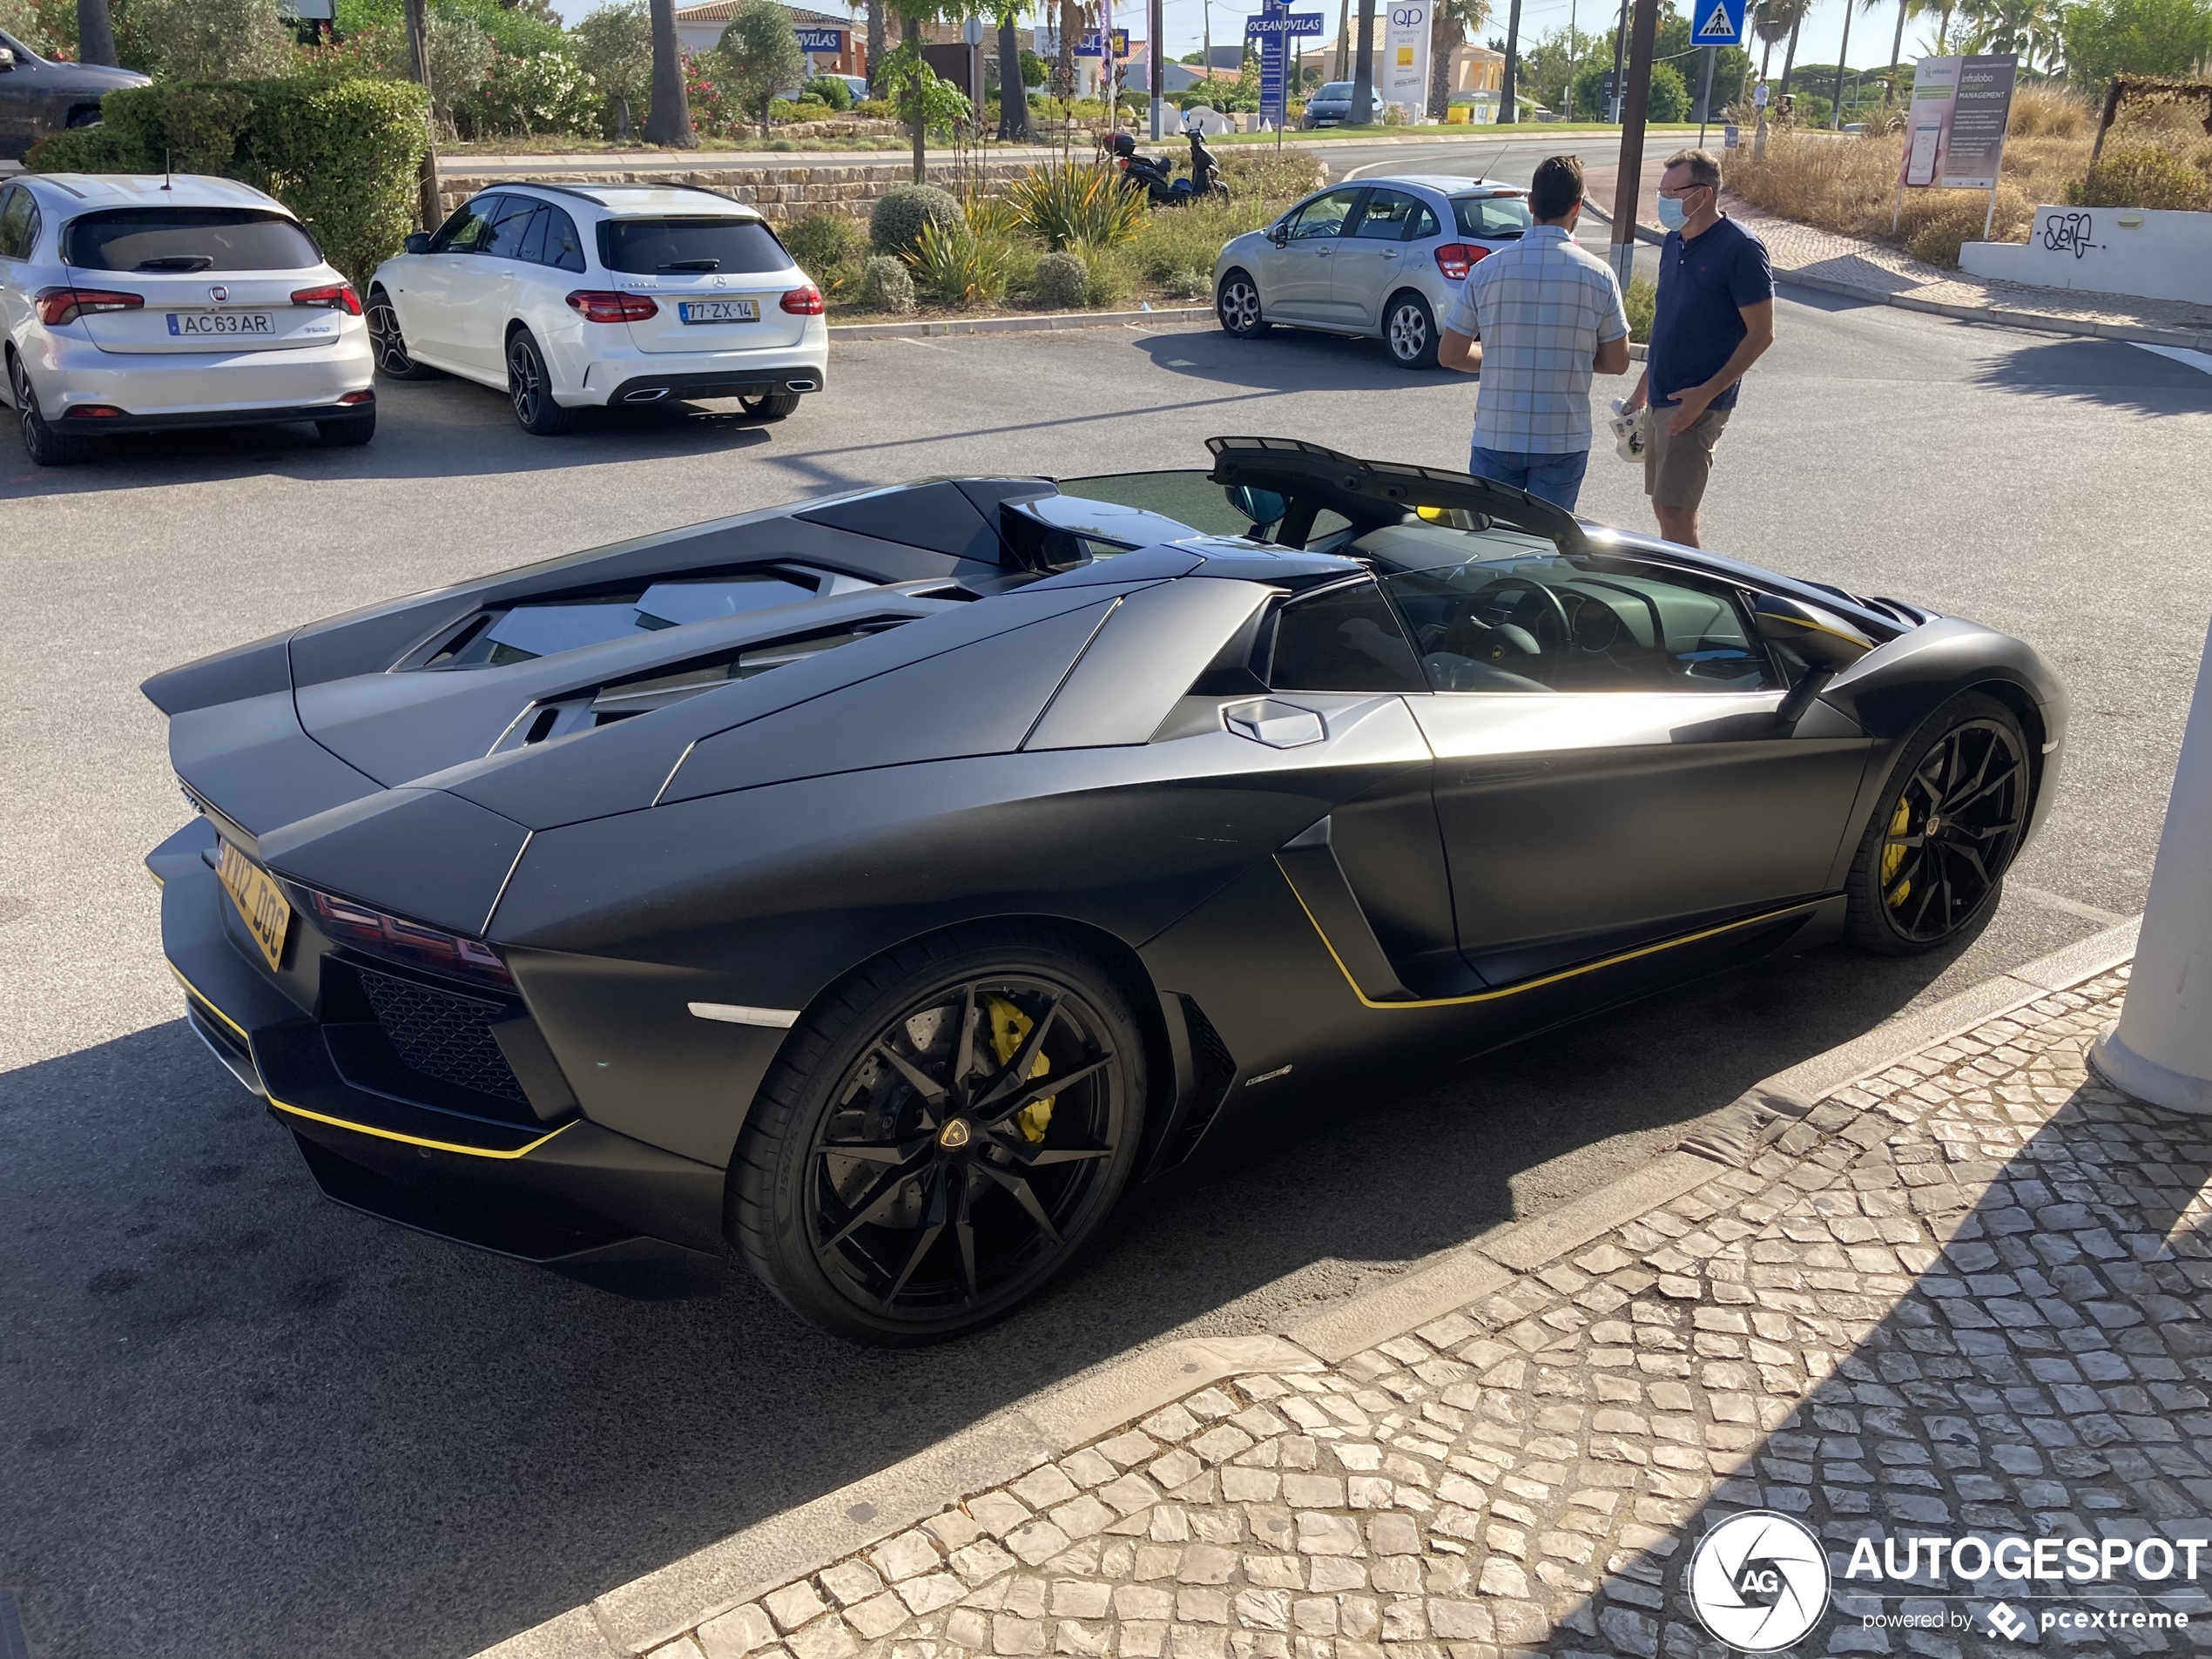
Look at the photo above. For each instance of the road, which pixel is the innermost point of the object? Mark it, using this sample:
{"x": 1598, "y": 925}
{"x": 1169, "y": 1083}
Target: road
{"x": 238, "y": 1420}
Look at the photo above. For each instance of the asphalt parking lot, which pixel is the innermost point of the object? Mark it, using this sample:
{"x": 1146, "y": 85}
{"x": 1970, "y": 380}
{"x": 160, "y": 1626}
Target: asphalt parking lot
{"x": 239, "y": 1421}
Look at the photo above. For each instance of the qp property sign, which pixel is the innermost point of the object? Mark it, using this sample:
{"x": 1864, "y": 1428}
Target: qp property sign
{"x": 1405, "y": 65}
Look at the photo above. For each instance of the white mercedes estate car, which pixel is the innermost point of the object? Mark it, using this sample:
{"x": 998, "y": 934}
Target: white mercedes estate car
{"x": 132, "y": 304}
{"x": 1381, "y": 257}
{"x": 573, "y": 296}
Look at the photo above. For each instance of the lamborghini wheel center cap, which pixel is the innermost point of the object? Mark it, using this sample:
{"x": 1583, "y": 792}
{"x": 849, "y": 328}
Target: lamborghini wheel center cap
{"x": 954, "y": 1135}
{"x": 1934, "y": 826}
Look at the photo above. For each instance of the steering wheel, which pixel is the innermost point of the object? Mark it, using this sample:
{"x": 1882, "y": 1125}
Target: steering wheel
{"x": 1538, "y": 610}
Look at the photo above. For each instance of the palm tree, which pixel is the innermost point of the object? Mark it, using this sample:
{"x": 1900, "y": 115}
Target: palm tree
{"x": 1450, "y": 25}
{"x": 877, "y": 45}
{"x": 670, "y": 122}
{"x": 1842, "y": 58}
{"x": 2029, "y": 28}
{"x": 1790, "y": 52}
{"x": 1777, "y": 20}
{"x": 1509, "y": 97}
{"x": 94, "y": 33}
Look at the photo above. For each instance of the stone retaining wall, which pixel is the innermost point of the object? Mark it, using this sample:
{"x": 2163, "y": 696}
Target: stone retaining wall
{"x": 779, "y": 192}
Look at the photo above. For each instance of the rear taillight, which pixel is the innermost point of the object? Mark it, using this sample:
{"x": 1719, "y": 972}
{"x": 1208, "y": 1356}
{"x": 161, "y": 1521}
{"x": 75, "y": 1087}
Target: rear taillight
{"x": 804, "y": 302}
{"x": 603, "y": 305}
{"x": 339, "y": 297}
{"x": 95, "y": 412}
{"x": 1455, "y": 259}
{"x": 347, "y": 923}
{"x": 59, "y": 305}
{"x": 354, "y": 399}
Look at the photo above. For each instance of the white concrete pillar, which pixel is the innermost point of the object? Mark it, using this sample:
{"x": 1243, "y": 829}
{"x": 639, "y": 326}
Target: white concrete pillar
{"x": 2160, "y": 1051}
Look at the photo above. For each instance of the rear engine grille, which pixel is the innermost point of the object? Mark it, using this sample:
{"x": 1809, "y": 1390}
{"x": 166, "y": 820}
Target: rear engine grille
{"x": 441, "y": 1034}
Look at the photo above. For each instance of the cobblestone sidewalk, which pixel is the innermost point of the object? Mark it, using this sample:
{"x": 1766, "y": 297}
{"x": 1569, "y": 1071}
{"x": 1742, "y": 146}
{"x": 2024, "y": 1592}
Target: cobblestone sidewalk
{"x": 1966, "y": 1296}
{"x": 1850, "y": 264}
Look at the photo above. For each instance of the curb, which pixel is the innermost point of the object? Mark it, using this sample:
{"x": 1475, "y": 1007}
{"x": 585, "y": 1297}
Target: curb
{"x": 1058, "y": 320}
{"x": 2030, "y": 322}
{"x": 634, "y": 1617}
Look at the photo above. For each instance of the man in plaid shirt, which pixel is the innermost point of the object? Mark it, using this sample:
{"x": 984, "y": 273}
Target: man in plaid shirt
{"x": 1535, "y": 320}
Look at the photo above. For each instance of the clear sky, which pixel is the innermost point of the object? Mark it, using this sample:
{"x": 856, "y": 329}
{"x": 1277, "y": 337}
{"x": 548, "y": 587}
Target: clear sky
{"x": 1870, "y": 30}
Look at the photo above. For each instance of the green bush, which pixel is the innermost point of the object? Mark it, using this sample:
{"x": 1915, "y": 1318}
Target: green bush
{"x": 547, "y": 93}
{"x": 958, "y": 265}
{"x": 1062, "y": 282}
{"x": 886, "y": 285}
{"x": 1642, "y": 303}
{"x": 343, "y": 155}
{"x": 99, "y": 149}
{"x": 894, "y": 226}
{"x": 830, "y": 90}
{"x": 822, "y": 241}
{"x": 2142, "y": 176}
{"x": 1066, "y": 203}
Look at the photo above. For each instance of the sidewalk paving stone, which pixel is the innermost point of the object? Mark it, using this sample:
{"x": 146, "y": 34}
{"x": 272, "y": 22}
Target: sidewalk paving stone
{"x": 1968, "y": 1294}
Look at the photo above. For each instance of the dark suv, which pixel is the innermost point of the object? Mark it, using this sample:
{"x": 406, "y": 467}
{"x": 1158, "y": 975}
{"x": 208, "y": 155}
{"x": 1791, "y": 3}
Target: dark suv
{"x": 39, "y": 96}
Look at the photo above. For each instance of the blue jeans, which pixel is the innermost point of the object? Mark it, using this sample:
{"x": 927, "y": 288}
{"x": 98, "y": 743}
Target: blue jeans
{"x": 1555, "y": 478}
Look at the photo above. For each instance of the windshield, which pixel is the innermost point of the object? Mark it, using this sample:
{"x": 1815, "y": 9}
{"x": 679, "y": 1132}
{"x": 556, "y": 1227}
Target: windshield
{"x": 189, "y": 240}
{"x": 648, "y": 247}
{"x": 1189, "y": 498}
{"x": 1491, "y": 215}
{"x": 1337, "y": 91}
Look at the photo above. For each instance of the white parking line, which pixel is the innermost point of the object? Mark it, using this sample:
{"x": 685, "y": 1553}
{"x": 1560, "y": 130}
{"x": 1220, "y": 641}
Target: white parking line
{"x": 2200, "y": 360}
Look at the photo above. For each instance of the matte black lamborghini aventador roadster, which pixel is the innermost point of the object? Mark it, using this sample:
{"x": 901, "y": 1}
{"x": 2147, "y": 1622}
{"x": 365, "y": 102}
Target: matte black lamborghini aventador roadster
{"x": 878, "y": 884}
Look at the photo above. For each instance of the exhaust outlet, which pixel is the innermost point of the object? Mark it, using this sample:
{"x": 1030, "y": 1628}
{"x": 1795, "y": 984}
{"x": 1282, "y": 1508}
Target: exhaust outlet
{"x": 800, "y": 386}
{"x": 646, "y": 395}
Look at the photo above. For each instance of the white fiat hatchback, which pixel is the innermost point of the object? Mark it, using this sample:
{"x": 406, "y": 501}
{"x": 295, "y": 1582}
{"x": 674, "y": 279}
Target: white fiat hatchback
{"x": 568, "y": 297}
{"x": 135, "y": 304}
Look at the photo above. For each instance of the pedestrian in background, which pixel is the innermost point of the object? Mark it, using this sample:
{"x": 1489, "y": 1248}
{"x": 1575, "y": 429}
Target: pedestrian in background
{"x": 1715, "y": 317}
{"x": 1535, "y": 320}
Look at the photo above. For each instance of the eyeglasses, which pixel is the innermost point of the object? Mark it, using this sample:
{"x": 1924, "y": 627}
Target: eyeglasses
{"x": 1677, "y": 194}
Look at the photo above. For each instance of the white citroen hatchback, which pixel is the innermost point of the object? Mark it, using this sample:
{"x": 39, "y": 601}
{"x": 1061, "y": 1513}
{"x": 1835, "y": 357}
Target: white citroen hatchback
{"x": 574, "y": 296}
{"x": 132, "y": 304}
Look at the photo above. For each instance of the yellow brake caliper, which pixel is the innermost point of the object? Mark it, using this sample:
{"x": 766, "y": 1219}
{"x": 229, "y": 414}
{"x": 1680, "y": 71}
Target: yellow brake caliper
{"x": 1010, "y": 1028}
{"x": 1894, "y": 850}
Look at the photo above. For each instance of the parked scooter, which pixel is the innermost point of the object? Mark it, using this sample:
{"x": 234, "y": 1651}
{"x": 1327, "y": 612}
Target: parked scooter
{"x": 1154, "y": 175}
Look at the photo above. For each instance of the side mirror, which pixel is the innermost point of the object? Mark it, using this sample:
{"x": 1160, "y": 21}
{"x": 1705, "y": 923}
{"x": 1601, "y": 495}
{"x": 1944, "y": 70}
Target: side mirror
{"x": 417, "y": 242}
{"x": 1278, "y": 233}
{"x": 1821, "y": 638}
{"x": 1262, "y": 507}
{"x": 7, "y": 60}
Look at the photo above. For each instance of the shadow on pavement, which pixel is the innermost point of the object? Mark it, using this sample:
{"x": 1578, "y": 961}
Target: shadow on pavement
{"x": 2111, "y": 373}
{"x": 242, "y": 1417}
{"x": 442, "y": 430}
{"x": 1288, "y": 360}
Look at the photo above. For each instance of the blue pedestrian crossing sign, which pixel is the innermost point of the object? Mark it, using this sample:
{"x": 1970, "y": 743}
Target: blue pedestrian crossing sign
{"x": 1720, "y": 22}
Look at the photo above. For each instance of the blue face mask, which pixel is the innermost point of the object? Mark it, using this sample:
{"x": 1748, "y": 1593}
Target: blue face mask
{"x": 1671, "y": 213}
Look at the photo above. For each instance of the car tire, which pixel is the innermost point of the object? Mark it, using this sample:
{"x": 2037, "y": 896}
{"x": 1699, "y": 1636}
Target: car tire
{"x": 388, "y": 346}
{"x": 1409, "y": 329}
{"x": 1967, "y": 771}
{"x": 530, "y": 388}
{"x": 774, "y": 406}
{"x": 348, "y": 430}
{"x": 1236, "y": 302}
{"x": 45, "y": 446}
{"x": 925, "y": 1237}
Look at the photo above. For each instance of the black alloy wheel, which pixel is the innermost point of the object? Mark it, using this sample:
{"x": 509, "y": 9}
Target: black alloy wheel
{"x": 45, "y": 446}
{"x": 1236, "y": 303}
{"x": 1410, "y": 329}
{"x": 1932, "y": 862}
{"x": 939, "y": 1136}
{"x": 774, "y": 406}
{"x": 531, "y": 389}
{"x": 388, "y": 344}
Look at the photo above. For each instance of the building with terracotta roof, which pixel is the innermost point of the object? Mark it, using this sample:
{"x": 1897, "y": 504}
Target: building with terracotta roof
{"x": 699, "y": 29}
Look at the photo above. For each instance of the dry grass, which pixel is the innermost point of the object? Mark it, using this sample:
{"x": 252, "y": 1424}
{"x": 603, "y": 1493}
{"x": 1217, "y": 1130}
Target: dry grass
{"x": 1848, "y": 185}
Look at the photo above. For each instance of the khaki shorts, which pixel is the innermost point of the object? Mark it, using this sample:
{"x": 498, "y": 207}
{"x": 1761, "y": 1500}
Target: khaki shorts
{"x": 1675, "y": 469}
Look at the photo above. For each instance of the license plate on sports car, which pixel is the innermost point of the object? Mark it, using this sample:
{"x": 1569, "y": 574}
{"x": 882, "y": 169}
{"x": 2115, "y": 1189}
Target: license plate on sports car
{"x": 718, "y": 310}
{"x": 267, "y": 912}
{"x": 216, "y": 325}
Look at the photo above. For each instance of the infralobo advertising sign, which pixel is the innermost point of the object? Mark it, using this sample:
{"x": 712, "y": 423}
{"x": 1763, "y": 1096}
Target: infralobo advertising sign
{"x": 1954, "y": 128}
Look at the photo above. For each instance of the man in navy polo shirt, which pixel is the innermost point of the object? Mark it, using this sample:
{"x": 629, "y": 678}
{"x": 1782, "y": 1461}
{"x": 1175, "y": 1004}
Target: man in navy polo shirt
{"x": 1715, "y": 317}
